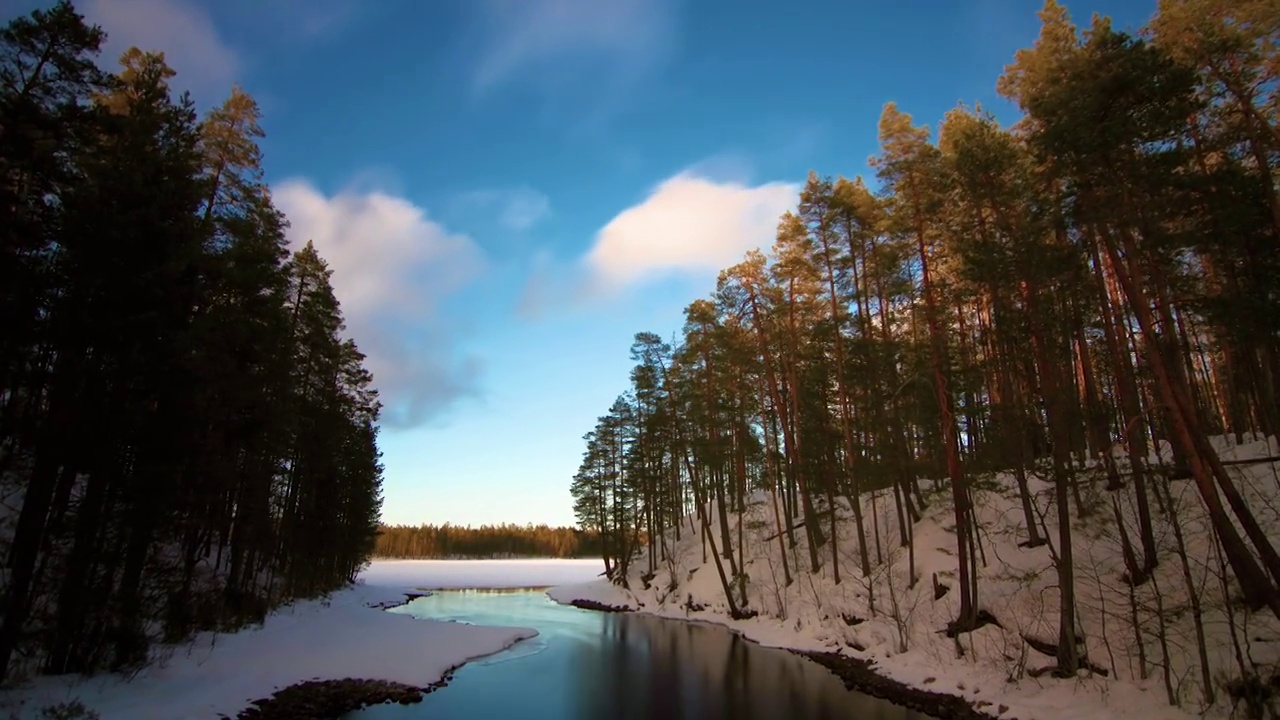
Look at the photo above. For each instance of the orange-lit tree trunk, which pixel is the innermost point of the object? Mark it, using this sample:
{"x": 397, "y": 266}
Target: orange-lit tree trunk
{"x": 959, "y": 485}
{"x": 1204, "y": 463}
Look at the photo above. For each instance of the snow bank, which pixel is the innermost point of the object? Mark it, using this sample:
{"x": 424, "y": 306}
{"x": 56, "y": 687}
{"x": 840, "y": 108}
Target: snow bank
{"x": 873, "y": 617}
{"x": 341, "y": 637}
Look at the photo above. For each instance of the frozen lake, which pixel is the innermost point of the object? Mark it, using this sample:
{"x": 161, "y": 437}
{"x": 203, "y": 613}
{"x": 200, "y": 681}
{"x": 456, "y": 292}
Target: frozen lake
{"x": 461, "y": 574}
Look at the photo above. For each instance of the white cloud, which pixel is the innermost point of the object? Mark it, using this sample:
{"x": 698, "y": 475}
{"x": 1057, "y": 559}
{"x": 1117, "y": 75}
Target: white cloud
{"x": 182, "y": 30}
{"x": 392, "y": 267}
{"x": 626, "y": 35}
{"x": 688, "y": 223}
{"x": 514, "y": 208}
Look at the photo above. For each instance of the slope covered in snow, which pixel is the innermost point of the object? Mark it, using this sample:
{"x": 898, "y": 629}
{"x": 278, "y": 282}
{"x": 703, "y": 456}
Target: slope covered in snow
{"x": 899, "y": 626}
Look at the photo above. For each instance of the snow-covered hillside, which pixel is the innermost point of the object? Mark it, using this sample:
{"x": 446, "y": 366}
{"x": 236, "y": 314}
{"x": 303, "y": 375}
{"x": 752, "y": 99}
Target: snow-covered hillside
{"x": 899, "y": 626}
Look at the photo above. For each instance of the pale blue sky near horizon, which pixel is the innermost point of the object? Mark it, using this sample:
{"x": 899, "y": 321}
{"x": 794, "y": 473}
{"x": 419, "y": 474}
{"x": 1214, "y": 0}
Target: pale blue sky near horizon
{"x": 508, "y": 190}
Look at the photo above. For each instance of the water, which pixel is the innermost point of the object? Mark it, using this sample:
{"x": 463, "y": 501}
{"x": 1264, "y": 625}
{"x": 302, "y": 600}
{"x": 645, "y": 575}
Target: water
{"x": 587, "y": 665}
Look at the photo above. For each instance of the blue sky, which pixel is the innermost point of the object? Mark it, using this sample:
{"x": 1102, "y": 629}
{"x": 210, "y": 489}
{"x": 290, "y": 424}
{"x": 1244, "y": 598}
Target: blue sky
{"x": 508, "y": 190}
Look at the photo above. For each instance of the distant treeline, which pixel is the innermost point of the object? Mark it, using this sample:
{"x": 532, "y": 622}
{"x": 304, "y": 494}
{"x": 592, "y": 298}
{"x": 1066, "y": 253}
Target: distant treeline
{"x": 486, "y": 541}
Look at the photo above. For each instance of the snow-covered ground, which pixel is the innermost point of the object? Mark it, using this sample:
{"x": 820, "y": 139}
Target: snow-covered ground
{"x": 456, "y": 574}
{"x": 1017, "y": 585}
{"x": 336, "y": 638}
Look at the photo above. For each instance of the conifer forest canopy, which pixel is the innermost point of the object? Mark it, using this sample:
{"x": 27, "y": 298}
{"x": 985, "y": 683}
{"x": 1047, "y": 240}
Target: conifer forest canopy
{"x": 190, "y": 439}
{"x": 1060, "y": 298}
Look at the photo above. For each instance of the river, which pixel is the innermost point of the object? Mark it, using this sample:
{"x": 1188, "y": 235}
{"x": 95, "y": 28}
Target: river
{"x": 588, "y": 665}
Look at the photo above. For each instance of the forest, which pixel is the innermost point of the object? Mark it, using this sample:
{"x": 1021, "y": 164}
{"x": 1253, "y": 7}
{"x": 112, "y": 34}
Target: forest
{"x": 187, "y": 439}
{"x": 486, "y": 541}
{"x": 1072, "y": 298}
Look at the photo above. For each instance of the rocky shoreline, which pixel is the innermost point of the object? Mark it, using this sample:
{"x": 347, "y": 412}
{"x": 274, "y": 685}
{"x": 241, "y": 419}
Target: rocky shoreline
{"x": 326, "y": 699}
{"x": 858, "y": 675}
{"x": 408, "y": 598}
{"x": 600, "y": 607}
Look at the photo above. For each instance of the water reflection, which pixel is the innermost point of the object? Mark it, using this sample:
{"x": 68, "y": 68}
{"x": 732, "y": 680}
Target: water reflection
{"x": 593, "y": 665}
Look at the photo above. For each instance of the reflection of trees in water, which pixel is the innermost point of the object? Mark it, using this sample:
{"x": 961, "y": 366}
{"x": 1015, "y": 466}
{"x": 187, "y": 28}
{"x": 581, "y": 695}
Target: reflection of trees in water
{"x": 652, "y": 668}
{"x": 635, "y": 667}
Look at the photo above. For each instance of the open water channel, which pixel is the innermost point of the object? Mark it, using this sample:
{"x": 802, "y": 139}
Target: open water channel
{"x": 587, "y": 665}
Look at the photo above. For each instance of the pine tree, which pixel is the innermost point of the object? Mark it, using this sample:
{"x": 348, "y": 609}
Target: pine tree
{"x": 910, "y": 167}
{"x": 160, "y": 349}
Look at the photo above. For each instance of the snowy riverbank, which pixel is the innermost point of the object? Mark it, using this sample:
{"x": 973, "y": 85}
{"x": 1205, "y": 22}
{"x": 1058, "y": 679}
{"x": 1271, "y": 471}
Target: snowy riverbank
{"x": 346, "y": 635}
{"x": 1001, "y": 671}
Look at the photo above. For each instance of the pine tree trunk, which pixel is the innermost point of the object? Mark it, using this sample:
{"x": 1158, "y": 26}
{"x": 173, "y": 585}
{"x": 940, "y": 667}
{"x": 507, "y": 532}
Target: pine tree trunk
{"x": 959, "y": 486}
{"x": 1257, "y": 587}
{"x": 1130, "y": 407}
{"x": 29, "y": 533}
{"x": 812, "y": 530}
{"x": 770, "y": 449}
{"x": 846, "y": 425}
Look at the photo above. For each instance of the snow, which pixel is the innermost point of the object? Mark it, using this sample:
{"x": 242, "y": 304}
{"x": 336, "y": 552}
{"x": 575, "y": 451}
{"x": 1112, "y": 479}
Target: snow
{"x": 1017, "y": 585}
{"x": 457, "y": 574}
{"x": 343, "y": 636}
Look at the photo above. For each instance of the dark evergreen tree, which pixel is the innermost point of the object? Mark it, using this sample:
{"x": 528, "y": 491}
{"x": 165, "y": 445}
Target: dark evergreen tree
{"x": 192, "y": 437}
